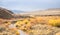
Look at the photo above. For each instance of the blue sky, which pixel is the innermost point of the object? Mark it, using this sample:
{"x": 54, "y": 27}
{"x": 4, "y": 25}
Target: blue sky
{"x": 29, "y": 5}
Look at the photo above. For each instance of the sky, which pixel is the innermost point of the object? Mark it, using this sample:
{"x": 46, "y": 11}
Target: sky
{"x": 29, "y": 5}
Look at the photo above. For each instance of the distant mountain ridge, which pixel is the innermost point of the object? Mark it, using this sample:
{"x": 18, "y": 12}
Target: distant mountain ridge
{"x": 17, "y": 11}
{"x": 52, "y": 11}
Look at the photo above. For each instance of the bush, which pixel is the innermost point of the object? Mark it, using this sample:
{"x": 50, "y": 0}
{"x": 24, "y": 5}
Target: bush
{"x": 54, "y": 22}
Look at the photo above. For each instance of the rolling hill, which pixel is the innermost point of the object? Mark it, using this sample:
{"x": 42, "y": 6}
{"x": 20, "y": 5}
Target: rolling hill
{"x": 52, "y": 11}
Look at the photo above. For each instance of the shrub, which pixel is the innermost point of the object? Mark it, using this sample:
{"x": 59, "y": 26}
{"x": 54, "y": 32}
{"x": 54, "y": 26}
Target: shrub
{"x": 54, "y": 22}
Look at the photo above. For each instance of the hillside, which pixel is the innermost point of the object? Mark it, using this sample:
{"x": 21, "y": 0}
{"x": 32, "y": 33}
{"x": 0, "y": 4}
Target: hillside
{"x": 52, "y": 11}
{"x": 5, "y": 13}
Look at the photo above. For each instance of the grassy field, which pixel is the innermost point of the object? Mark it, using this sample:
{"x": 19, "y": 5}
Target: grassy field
{"x": 26, "y": 23}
